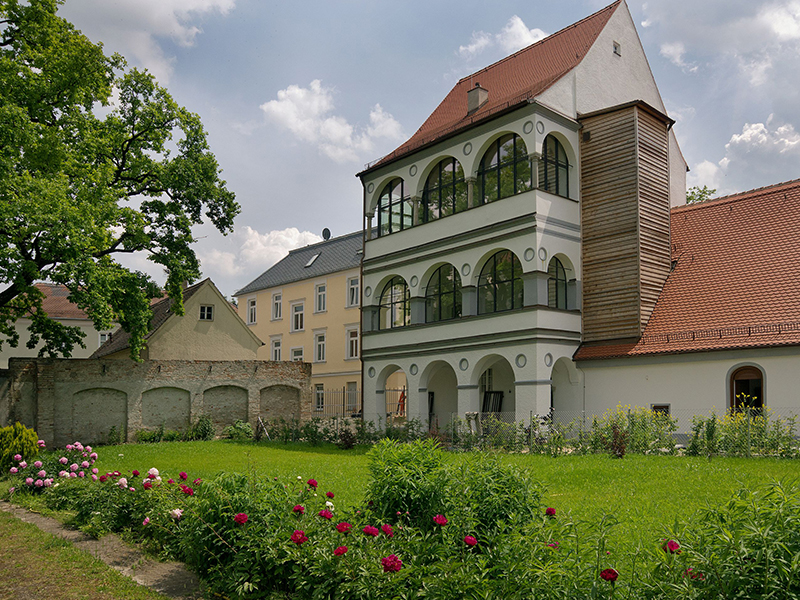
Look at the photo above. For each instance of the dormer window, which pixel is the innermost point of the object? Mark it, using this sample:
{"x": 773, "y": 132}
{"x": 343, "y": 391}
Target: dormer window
{"x": 312, "y": 259}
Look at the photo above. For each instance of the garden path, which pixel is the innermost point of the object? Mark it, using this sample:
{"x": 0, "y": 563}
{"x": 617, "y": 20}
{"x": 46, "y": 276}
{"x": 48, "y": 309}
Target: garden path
{"x": 169, "y": 578}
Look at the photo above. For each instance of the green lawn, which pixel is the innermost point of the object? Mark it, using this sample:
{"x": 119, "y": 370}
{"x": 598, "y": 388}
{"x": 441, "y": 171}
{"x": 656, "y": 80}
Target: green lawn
{"x": 645, "y": 493}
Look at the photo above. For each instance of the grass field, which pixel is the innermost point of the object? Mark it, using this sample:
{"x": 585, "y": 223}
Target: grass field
{"x": 645, "y": 493}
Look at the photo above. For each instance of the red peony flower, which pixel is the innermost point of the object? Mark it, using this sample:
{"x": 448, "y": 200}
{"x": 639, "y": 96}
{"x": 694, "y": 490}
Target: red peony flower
{"x": 370, "y": 530}
{"x": 197, "y": 481}
{"x": 299, "y": 537}
{"x": 187, "y": 490}
{"x": 183, "y": 475}
{"x": 312, "y": 483}
{"x": 240, "y": 518}
{"x": 170, "y": 481}
{"x": 694, "y": 574}
{"x": 550, "y": 511}
{"x": 387, "y": 530}
{"x": 299, "y": 509}
{"x": 391, "y": 564}
{"x": 609, "y": 575}
{"x": 135, "y": 473}
{"x": 102, "y": 478}
{"x": 329, "y": 494}
{"x": 470, "y": 541}
{"x": 147, "y": 485}
{"x": 440, "y": 520}
{"x": 326, "y": 514}
{"x": 340, "y": 551}
{"x": 554, "y": 545}
{"x": 671, "y": 546}
{"x": 344, "y": 528}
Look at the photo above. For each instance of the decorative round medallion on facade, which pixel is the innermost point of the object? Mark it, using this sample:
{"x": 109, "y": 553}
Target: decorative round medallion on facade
{"x": 540, "y": 127}
{"x": 413, "y": 170}
{"x": 465, "y": 269}
{"x": 529, "y": 254}
{"x": 368, "y": 291}
{"x": 370, "y": 187}
{"x": 463, "y": 364}
{"x": 548, "y": 360}
{"x": 542, "y": 254}
{"x": 528, "y": 127}
{"x": 521, "y": 360}
{"x": 414, "y": 281}
{"x": 467, "y": 148}
{"x": 413, "y": 369}
{"x": 371, "y": 372}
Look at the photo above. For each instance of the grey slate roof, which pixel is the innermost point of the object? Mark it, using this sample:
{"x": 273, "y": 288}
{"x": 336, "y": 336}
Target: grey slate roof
{"x": 337, "y": 254}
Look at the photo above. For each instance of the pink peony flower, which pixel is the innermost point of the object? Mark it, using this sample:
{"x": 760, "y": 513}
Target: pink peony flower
{"x": 554, "y": 545}
{"x": 63, "y": 474}
{"x": 671, "y": 546}
{"x": 42, "y": 473}
{"x": 122, "y": 483}
{"x": 340, "y": 551}
{"x": 470, "y": 541}
{"x": 48, "y": 482}
{"x": 78, "y": 446}
{"x": 299, "y": 509}
{"x": 89, "y": 449}
{"x": 391, "y": 564}
{"x": 146, "y": 521}
{"x": 94, "y": 477}
{"x": 344, "y": 528}
{"x": 312, "y": 483}
{"x": 440, "y": 520}
{"x": 299, "y": 537}
{"x": 240, "y": 518}
{"x": 609, "y": 575}
{"x": 93, "y": 456}
{"x": 73, "y": 467}
{"x": 550, "y": 511}
{"x": 326, "y": 514}
{"x": 23, "y": 465}
{"x": 40, "y": 443}
{"x": 372, "y": 531}
{"x": 29, "y": 481}
{"x": 81, "y": 474}
{"x": 63, "y": 460}
{"x": 39, "y": 483}
{"x": 73, "y": 474}
{"x": 131, "y": 489}
{"x": 38, "y": 464}
{"x": 329, "y": 494}
{"x": 152, "y": 473}
{"x": 13, "y": 470}
{"x": 183, "y": 475}
{"x": 17, "y": 457}
{"x": 95, "y": 471}
{"x": 69, "y": 447}
{"x": 387, "y": 530}
{"x": 176, "y": 513}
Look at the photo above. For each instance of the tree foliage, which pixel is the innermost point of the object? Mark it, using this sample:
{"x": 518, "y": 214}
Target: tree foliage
{"x": 96, "y": 161}
{"x": 699, "y": 194}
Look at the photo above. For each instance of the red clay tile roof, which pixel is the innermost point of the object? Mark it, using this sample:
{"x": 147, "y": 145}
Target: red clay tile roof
{"x": 510, "y": 81}
{"x": 736, "y": 283}
{"x": 56, "y": 303}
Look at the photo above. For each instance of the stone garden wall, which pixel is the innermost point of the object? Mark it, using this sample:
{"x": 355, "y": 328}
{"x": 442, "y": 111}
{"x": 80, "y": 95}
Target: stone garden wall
{"x": 68, "y": 400}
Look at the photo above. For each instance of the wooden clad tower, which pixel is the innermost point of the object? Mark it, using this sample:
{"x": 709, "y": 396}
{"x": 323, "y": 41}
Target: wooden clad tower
{"x": 624, "y": 218}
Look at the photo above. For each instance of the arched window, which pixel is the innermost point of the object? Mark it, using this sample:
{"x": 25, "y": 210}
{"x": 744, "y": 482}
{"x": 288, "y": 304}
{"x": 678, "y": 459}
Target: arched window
{"x": 500, "y": 283}
{"x": 747, "y": 387}
{"x": 505, "y": 169}
{"x": 394, "y": 208}
{"x": 445, "y": 191}
{"x": 556, "y": 285}
{"x": 394, "y": 304}
{"x": 443, "y": 295}
{"x": 554, "y": 168}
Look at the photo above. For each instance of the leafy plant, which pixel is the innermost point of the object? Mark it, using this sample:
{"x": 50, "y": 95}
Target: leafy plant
{"x": 202, "y": 430}
{"x": 15, "y": 440}
{"x": 240, "y": 431}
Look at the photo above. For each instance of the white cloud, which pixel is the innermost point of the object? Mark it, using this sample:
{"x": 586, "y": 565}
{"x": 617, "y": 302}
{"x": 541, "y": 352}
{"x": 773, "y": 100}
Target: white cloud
{"x": 783, "y": 19}
{"x": 675, "y": 52}
{"x": 134, "y": 28}
{"x": 705, "y": 173}
{"x": 307, "y": 113}
{"x": 514, "y": 36}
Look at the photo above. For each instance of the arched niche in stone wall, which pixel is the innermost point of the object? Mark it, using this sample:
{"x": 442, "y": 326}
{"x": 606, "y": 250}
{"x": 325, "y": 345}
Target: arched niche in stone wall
{"x": 167, "y": 406}
{"x": 280, "y": 401}
{"x": 93, "y": 413}
{"x": 225, "y": 404}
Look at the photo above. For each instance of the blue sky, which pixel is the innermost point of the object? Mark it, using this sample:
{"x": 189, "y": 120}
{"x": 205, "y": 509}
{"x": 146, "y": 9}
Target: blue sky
{"x": 297, "y": 97}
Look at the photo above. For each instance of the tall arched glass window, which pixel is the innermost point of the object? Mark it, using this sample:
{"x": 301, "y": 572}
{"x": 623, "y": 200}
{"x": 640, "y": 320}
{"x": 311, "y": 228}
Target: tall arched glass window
{"x": 505, "y": 169}
{"x": 500, "y": 283}
{"x": 395, "y": 304}
{"x": 556, "y": 285}
{"x": 443, "y": 295}
{"x": 445, "y": 191}
{"x": 747, "y": 389}
{"x": 395, "y": 212}
{"x": 554, "y": 168}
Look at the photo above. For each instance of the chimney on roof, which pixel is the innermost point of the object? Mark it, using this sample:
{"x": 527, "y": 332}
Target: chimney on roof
{"x": 476, "y": 97}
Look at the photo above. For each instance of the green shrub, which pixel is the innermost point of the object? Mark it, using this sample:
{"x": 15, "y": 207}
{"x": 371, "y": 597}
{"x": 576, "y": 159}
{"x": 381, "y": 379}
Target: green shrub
{"x": 116, "y": 436}
{"x": 17, "y": 439}
{"x": 240, "y": 431}
{"x": 347, "y": 439}
{"x": 202, "y": 430}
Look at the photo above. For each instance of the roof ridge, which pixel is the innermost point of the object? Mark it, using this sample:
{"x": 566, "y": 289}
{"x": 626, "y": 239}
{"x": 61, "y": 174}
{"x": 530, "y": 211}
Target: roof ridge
{"x": 746, "y": 195}
{"x": 541, "y": 41}
{"x": 338, "y": 237}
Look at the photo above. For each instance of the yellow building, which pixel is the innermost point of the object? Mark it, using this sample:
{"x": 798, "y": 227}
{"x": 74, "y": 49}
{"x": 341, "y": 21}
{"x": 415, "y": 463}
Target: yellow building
{"x": 307, "y": 308}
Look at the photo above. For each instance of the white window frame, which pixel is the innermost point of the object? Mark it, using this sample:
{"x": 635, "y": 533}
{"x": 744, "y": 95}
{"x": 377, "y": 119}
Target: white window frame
{"x": 348, "y": 343}
{"x": 277, "y": 306}
{"x": 301, "y": 313}
{"x": 319, "y": 397}
{"x": 206, "y": 312}
{"x": 294, "y": 358}
{"x": 321, "y": 297}
{"x": 102, "y": 335}
{"x": 251, "y": 311}
{"x": 320, "y": 346}
{"x": 275, "y": 348}
{"x": 353, "y": 291}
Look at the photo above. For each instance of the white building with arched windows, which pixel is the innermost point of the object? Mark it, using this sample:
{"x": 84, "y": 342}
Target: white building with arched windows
{"x": 512, "y": 225}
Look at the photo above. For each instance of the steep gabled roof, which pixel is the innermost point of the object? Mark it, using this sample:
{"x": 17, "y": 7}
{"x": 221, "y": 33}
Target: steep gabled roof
{"x": 337, "y": 254}
{"x": 736, "y": 281}
{"x": 510, "y": 82}
{"x": 56, "y": 302}
{"x": 162, "y": 310}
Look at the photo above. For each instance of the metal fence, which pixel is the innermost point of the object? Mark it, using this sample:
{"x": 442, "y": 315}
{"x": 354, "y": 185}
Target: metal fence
{"x": 338, "y": 403}
{"x": 745, "y": 432}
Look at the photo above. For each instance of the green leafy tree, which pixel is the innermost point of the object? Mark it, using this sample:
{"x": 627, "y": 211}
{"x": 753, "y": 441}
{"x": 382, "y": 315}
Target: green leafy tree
{"x": 96, "y": 161}
{"x": 699, "y": 194}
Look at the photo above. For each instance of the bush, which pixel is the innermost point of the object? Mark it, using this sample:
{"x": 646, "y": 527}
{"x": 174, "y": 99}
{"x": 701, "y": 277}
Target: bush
{"x": 19, "y": 440}
{"x": 240, "y": 431}
{"x": 36, "y": 476}
{"x": 145, "y": 436}
{"x": 202, "y": 430}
